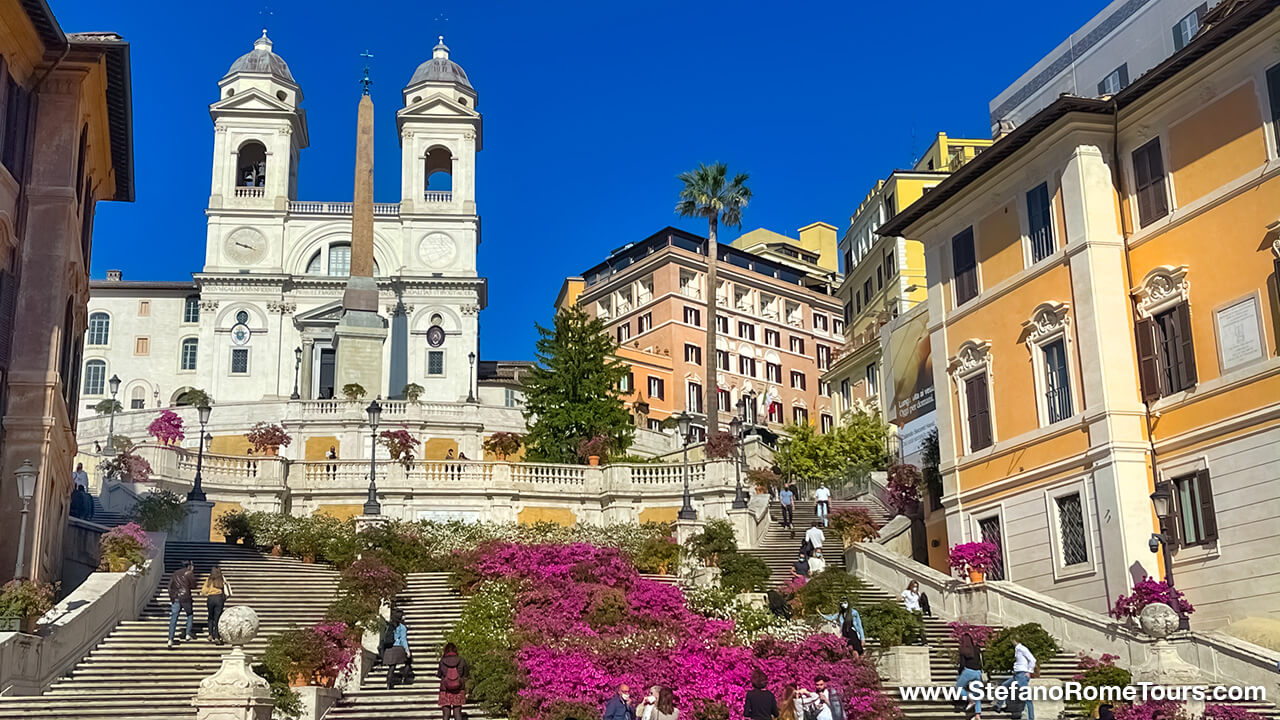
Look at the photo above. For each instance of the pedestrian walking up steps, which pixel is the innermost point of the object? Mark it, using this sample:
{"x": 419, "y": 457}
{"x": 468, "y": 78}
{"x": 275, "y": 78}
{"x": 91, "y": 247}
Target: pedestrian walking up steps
{"x": 131, "y": 674}
{"x": 779, "y": 550}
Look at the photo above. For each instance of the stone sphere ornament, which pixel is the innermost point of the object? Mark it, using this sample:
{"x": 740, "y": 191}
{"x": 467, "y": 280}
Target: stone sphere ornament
{"x": 238, "y": 625}
{"x": 1158, "y": 620}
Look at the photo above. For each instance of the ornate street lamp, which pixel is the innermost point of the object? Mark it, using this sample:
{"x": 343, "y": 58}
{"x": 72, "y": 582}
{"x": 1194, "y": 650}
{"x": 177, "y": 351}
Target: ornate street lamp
{"x": 197, "y": 490}
{"x": 371, "y": 505}
{"x": 297, "y": 368}
{"x": 735, "y": 429}
{"x": 683, "y": 421}
{"x": 114, "y": 384}
{"x": 471, "y": 377}
{"x": 1162, "y": 502}
{"x": 27, "y": 475}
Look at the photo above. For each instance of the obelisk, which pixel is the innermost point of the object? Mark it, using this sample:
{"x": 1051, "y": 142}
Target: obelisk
{"x": 361, "y": 332}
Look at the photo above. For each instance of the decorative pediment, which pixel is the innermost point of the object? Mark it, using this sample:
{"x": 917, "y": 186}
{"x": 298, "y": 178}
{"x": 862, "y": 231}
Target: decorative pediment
{"x": 1163, "y": 287}
{"x": 436, "y": 107}
{"x": 972, "y": 356}
{"x": 327, "y": 314}
{"x": 252, "y": 99}
{"x": 1048, "y": 319}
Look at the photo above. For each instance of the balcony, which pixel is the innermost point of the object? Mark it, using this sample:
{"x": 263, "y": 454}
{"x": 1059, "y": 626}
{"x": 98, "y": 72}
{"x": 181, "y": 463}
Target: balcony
{"x": 250, "y": 192}
{"x": 442, "y": 196}
{"x": 302, "y": 207}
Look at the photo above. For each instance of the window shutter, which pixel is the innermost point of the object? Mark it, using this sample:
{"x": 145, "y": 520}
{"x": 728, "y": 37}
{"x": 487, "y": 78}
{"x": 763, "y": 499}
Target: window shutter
{"x": 1124, "y": 75}
{"x": 8, "y": 308}
{"x": 1187, "y": 348}
{"x": 979, "y": 412}
{"x": 1148, "y": 363}
{"x": 1209, "y": 523}
{"x": 1102, "y": 87}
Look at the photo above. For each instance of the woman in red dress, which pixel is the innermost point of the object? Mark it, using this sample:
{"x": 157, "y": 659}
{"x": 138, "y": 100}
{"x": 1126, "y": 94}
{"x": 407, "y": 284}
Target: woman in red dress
{"x": 453, "y": 672}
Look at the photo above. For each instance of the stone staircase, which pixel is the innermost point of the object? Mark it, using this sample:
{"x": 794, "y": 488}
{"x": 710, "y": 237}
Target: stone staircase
{"x": 107, "y": 519}
{"x": 781, "y": 546}
{"x": 131, "y": 674}
{"x": 430, "y": 609}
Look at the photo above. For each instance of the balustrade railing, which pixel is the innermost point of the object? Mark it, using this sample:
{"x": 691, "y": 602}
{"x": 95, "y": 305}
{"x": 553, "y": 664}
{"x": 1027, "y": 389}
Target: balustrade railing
{"x": 665, "y": 474}
{"x": 549, "y": 474}
{"x": 443, "y": 472}
{"x": 250, "y": 192}
{"x": 438, "y": 196}
{"x": 308, "y": 207}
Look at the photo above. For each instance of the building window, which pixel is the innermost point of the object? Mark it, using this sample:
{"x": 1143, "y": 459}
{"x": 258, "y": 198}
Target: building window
{"x": 1187, "y": 27}
{"x": 1057, "y": 391}
{"x": 857, "y": 298}
{"x": 189, "y": 353}
{"x": 1148, "y": 176}
{"x": 644, "y": 323}
{"x": 1273, "y": 91}
{"x": 866, "y": 292}
{"x": 239, "y": 361}
{"x": 800, "y": 416}
{"x": 823, "y": 355}
{"x": 775, "y": 412}
{"x": 872, "y": 374}
{"x": 656, "y": 388}
{"x": 964, "y": 267}
{"x": 772, "y": 338}
{"x": 747, "y": 331}
{"x": 1071, "y": 535}
{"x": 191, "y": 309}
{"x": 13, "y": 145}
{"x": 747, "y": 366}
{"x": 978, "y": 415}
{"x": 693, "y": 397}
{"x": 846, "y": 394}
{"x": 99, "y": 329}
{"x": 827, "y": 422}
{"x": 722, "y": 360}
{"x": 138, "y": 398}
{"x": 773, "y": 372}
{"x": 989, "y": 531}
{"x": 722, "y": 324}
{"x": 510, "y": 398}
{"x": 624, "y": 332}
{"x": 824, "y": 388}
{"x": 339, "y": 260}
{"x": 144, "y": 308}
{"x": 141, "y": 346}
{"x": 1197, "y": 521}
{"x": 837, "y": 325}
{"x": 797, "y": 345}
{"x": 879, "y": 277}
{"x": 890, "y": 207}
{"x": 1040, "y": 227}
{"x": 655, "y": 424}
{"x": 1115, "y": 81}
{"x": 722, "y": 400}
{"x": 692, "y": 354}
{"x": 693, "y": 316}
{"x": 820, "y": 322}
{"x": 95, "y": 377}
{"x": 628, "y": 383}
{"x": 797, "y": 380}
{"x": 1166, "y": 355}
{"x": 435, "y": 362}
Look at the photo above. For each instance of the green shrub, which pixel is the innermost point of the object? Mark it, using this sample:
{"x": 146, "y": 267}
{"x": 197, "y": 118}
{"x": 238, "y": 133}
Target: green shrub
{"x": 891, "y": 625}
{"x": 159, "y": 511}
{"x": 998, "y": 655}
{"x": 483, "y": 636}
{"x": 235, "y": 526}
{"x": 1100, "y": 673}
{"x": 286, "y": 703}
{"x": 716, "y": 539}
{"x": 607, "y": 608}
{"x": 724, "y": 604}
{"x": 296, "y": 652}
{"x": 660, "y": 555}
{"x": 825, "y": 590}
{"x": 743, "y": 573}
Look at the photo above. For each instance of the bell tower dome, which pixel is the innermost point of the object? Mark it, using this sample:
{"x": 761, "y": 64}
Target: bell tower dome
{"x": 439, "y": 137}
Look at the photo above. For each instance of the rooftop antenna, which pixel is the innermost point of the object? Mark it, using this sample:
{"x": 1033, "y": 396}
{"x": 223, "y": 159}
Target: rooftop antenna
{"x": 366, "y": 81}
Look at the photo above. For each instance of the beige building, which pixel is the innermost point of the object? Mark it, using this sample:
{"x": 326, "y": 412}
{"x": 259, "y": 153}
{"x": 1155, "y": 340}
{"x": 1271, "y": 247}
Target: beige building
{"x": 65, "y": 143}
{"x": 778, "y": 322}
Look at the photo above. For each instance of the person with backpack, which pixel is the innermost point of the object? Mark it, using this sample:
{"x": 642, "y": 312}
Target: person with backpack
{"x": 453, "y": 673}
{"x": 181, "y": 583}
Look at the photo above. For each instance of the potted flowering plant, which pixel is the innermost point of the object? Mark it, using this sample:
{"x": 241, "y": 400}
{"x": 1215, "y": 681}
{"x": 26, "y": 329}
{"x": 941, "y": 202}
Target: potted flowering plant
{"x": 593, "y": 448}
{"x": 503, "y": 444}
{"x": 167, "y": 428}
{"x": 235, "y": 527}
{"x": 399, "y": 444}
{"x": 353, "y": 391}
{"x": 122, "y": 547}
{"x": 904, "y": 488}
{"x": 126, "y": 467}
{"x": 268, "y": 437}
{"x": 25, "y": 601}
{"x": 412, "y": 391}
{"x": 720, "y": 445}
{"x": 977, "y": 557}
{"x": 854, "y": 525}
{"x": 1146, "y": 591}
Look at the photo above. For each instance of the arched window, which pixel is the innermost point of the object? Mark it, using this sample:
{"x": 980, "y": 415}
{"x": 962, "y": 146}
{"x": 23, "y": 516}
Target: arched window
{"x": 190, "y": 350}
{"x": 191, "y": 309}
{"x": 95, "y": 377}
{"x": 138, "y": 398}
{"x": 439, "y": 172}
{"x": 99, "y": 331}
{"x": 340, "y": 259}
{"x": 251, "y": 168}
{"x": 313, "y": 265}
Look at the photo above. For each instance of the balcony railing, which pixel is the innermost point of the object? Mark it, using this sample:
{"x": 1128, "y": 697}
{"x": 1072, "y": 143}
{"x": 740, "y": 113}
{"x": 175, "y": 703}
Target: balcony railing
{"x": 304, "y": 207}
{"x": 250, "y": 192}
{"x": 438, "y": 196}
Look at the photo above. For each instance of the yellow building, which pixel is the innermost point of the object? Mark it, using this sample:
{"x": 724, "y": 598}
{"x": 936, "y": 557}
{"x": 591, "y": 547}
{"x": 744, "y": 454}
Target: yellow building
{"x": 1103, "y": 319}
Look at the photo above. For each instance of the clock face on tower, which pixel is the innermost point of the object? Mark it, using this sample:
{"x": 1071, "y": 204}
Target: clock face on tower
{"x": 437, "y": 250}
{"x": 245, "y": 246}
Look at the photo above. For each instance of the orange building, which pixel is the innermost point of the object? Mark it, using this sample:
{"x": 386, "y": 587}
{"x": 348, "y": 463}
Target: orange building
{"x": 1103, "y": 315}
{"x": 777, "y": 326}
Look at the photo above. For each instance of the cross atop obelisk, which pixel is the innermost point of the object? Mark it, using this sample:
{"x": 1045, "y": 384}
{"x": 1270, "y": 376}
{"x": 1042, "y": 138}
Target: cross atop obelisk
{"x": 361, "y": 332}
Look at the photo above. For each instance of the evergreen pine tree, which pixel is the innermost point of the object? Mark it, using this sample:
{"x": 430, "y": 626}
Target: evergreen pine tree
{"x": 572, "y": 395}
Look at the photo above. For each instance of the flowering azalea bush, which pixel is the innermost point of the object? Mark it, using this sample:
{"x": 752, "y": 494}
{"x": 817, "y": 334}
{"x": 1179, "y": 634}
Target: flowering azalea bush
{"x": 1147, "y": 591}
{"x": 167, "y": 428}
{"x": 904, "y": 488}
{"x": 314, "y": 655}
{"x": 1153, "y": 710}
{"x": 854, "y": 524}
{"x": 126, "y": 467}
{"x": 339, "y": 645}
{"x": 1099, "y": 672}
{"x": 720, "y": 445}
{"x": 122, "y": 547}
{"x": 980, "y": 556}
{"x": 370, "y": 577}
{"x": 503, "y": 444}
{"x": 979, "y": 633}
{"x": 597, "y": 446}
{"x": 1229, "y": 712}
{"x": 265, "y": 435}
{"x": 26, "y": 598}
{"x": 581, "y": 621}
{"x": 399, "y": 445}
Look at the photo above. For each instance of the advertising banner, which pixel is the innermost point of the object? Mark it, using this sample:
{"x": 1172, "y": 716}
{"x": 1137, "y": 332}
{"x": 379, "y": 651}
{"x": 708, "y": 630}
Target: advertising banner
{"x": 910, "y": 365}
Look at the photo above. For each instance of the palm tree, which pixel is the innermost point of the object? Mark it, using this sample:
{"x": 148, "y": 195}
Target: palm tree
{"x": 708, "y": 193}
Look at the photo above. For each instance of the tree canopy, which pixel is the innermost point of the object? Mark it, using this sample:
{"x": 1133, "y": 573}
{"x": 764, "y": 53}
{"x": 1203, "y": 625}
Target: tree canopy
{"x": 572, "y": 395}
{"x": 857, "y": 442}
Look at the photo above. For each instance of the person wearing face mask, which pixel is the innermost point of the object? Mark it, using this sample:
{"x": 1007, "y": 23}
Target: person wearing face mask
{"x": 648, "y": 707}
{"x": 817, "y": 563}
{"x": 619, "y": 706}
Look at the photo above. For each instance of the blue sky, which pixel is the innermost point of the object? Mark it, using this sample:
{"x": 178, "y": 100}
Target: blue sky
{"x": 591, "y": 109}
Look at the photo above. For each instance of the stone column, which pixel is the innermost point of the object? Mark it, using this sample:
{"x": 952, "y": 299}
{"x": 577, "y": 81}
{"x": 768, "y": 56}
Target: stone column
{"x": 235, "y": 691}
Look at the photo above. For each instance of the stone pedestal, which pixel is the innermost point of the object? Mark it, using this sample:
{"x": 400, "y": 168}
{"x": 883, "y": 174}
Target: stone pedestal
{"x": 364, "y": 522}
{"x": 1052, "y": 705}
{"x": 1164, "y": 667}
{"x": 972, "y": 604}
{"x": 358, "y": 341}
{"x": 196, "y": 526}
{"x": 686, "y": 529}
{"x": 234, "y": 692}
{"x": 741, "y": 519}
{"x": 905, "y": 665}
{"x": 760, "y": 601}
{"x": 316, "y": 701}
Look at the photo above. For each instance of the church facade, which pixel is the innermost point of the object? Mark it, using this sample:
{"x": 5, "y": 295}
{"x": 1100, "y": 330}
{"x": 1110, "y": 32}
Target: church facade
{"x": 257, "y": 322}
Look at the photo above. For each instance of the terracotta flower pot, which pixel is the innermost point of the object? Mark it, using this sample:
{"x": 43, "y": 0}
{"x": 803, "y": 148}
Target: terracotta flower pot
{"x": 29, "y": 624}
{"x": 308, "y": 558}
{"x": 276, "y": 551}
{"x": 593, "y": 459}
{"x": 975, "y": 576}
{"x": 273, "y": 450}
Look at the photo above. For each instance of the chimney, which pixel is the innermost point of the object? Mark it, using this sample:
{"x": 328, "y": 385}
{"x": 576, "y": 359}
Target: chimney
{"x": 115, "y": 275}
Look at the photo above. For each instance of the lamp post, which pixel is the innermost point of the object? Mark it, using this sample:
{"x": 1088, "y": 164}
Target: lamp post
{"x": 26, "y": 475}
{"x": 735, "y": 429}
{"x": 114, "y": 384}
{"x": 297, "y": 368}
{"x": 155, "y": 397}
{"x": 683, "y": 420}
{"x": 197, "y": 490}
{"x": 371, "y": 505}
{"x": 471, "y": 378}
{"x": 1162, "y": 502}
